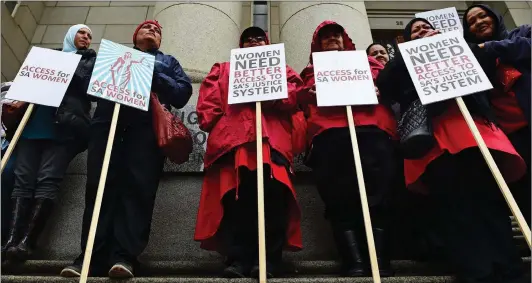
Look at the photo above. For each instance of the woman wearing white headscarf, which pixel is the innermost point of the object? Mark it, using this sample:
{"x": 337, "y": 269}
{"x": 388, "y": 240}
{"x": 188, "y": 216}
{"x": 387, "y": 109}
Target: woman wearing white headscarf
{"x": 51, "y": 139}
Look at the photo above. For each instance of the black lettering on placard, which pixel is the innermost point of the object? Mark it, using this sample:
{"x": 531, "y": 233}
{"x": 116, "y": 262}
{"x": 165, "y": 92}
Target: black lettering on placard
{"x": 442, "y": 66}
{"x": 257, "y": 73}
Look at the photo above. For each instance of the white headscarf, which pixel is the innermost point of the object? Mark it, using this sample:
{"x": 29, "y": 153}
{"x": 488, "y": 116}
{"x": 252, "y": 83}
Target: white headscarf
{"x": 68, "y": 42}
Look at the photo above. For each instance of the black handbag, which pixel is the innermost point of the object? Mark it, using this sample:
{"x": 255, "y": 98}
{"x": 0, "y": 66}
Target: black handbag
{"x": 415, "y": 131}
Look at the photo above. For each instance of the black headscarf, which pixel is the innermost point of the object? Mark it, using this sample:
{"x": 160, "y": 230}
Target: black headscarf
{"x": 373, "y": 44}
{"x": 407, "y": 32}
{"x": 499, "y": 29}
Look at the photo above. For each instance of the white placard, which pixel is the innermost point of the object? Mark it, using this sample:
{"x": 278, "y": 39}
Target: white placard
{"x": 444, "y": 20}
{"x": 343, "y": 78}
{"x": 122, "y": 75}
{"x": 257, "y": 74}
{"x": 443, "y": 67}
{"x": 44, "y": 77}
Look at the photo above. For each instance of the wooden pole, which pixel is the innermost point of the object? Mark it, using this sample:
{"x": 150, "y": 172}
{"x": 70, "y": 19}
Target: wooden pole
{"x": 495, "y": 171}
{"x": 363, "y": 198}
{"x": 99, "y": 197}
{"x": 260, "y": 196}
{"x": 17, "y": 135}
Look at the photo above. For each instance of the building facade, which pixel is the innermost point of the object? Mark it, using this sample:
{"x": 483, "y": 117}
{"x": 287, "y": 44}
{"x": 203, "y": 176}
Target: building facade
{"x": 199, "y": 34}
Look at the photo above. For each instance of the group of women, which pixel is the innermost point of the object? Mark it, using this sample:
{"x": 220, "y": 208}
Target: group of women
{"x": 441, "y": 160}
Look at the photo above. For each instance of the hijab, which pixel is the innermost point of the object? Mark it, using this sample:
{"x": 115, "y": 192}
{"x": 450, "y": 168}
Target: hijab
{"x": 407, "y": 33}
{"x": 499, "y": 29}
{"x": 68, "y": 42}
{"x": 375, "y": 43}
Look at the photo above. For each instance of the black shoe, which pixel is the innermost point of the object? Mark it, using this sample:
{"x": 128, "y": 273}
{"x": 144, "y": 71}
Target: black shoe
{"x": 271, "y": 271}
{"x": 41, "y": 212}
{"x": 121, "y": 270}
{"x": 352, "y": 263}
{"x": 19, "y": 210}
{"x": 236, "y": 270}
{"x": 381, "y": 247}
{"x": 70, "y": 271}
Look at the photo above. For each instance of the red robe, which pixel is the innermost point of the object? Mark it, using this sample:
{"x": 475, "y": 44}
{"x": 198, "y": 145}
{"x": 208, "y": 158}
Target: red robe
{"x": 323, "y": 118}
{"x": 231, "y": 131}
{"x": 453, "y": 135}
{"x": 509, "y": 114}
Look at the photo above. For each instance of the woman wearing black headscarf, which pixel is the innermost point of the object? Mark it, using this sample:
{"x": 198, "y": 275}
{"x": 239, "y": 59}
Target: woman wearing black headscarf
{"x": 469, "y": 211}
{"x": 379, "y": 52}
{"x": 509, "y": 52}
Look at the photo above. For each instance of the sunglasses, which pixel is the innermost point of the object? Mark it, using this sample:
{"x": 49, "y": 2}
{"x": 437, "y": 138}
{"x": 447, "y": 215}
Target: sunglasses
{"x": 256, "y": 38}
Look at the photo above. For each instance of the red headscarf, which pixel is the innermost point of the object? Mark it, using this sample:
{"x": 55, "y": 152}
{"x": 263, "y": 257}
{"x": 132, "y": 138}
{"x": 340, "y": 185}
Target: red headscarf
{"x": 155, "y": 22}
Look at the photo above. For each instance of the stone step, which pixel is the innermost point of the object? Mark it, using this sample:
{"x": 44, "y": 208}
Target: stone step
{"x": 49, "y": 279}
{"x": 213, "y": 268}
{"x": 174, "y": 222}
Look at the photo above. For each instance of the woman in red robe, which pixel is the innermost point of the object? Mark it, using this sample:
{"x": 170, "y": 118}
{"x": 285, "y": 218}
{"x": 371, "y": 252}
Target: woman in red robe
{"x": 227, "y": 216}
{"x": 332, "y": 162}
{"x": 469, "y": 210}
{"x": 509, "y": 53}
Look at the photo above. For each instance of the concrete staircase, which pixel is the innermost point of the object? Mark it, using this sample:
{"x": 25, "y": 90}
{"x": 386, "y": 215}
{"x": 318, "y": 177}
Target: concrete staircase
{"x": 173, "y": 256}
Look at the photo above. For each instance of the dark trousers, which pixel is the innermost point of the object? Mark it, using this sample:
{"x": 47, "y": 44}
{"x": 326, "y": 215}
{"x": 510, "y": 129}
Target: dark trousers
{"x": 8, "y": 181}
{"x": 472, "y": 219}
{"x": 333, "y": 165}
{"x": 521, "y": 190}
{"x": 239, "y": 228}
{"x": 40, "y": 167}
{"x": 133, "y": 178}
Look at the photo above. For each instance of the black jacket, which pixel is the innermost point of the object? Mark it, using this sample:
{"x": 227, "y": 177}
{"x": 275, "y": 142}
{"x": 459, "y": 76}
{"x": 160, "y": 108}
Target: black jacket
{"x": 510, "y": 47}
{"x": 73, "y": 114}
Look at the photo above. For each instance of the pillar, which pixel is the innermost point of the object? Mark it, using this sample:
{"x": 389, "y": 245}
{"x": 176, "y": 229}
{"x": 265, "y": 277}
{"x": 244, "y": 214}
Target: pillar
{"x": 199, "y": 34}
{"x": 298, "y": 20}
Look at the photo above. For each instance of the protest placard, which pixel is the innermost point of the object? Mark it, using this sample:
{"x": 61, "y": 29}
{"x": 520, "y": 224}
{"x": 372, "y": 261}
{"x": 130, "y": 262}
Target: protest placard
{"x": 343, "y": 78}
{"x": 44, "y": 77}
{"x": 122, "y": 75}
{"x": 443, "y": 67}
{"x": 444, "y": 20}
{"x": 257, "y": 74}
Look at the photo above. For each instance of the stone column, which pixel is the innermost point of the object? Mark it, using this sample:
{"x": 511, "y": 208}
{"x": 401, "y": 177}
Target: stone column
{"x": 199, "y": 34}
{"x": 520, "y": 12}
{"x": 298, "y": 21}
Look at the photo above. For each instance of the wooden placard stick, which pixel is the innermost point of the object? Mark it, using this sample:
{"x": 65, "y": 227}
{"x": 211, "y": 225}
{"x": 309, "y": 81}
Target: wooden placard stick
{"x": 99, "y": 197}
{"x": 363, "y": 198}
{"x": 495, "y": 171}
{"x": 260, "y": 196}
{"x": 17, "y": 135}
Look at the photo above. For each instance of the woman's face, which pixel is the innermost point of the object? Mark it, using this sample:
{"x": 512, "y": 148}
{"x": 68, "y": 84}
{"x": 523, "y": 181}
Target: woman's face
{"x": 83, "y": 39}
{"x": 149, "y": 36}
{"x": 379, "y": 53}
{"x": 331, "y": 39}
{"x": 480, "y": 23}
{"x": 420, "y": 30}
{"x": 254, "y": 40}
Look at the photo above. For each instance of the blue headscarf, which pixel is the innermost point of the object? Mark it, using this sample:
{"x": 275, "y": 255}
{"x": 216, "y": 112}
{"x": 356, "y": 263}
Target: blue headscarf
{"x": 68, "y": 42}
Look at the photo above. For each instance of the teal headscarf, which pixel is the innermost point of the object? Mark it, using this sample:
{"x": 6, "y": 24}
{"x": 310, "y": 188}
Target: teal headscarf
{"x": 68, "y": 42}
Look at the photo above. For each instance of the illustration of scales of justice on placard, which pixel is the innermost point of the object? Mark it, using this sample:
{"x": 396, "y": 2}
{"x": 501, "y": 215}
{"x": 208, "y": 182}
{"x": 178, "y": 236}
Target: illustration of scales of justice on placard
{"x": 123, "y": 75}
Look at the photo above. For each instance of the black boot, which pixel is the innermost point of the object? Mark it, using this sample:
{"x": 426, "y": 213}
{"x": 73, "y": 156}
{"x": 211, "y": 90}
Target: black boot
{"x": 349, "y": 251}
{"x": 383, "y": 257}
{"x": 274, "y": 256}
{"x": 19, "y": 211}
{"x": 41, "y": 212}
